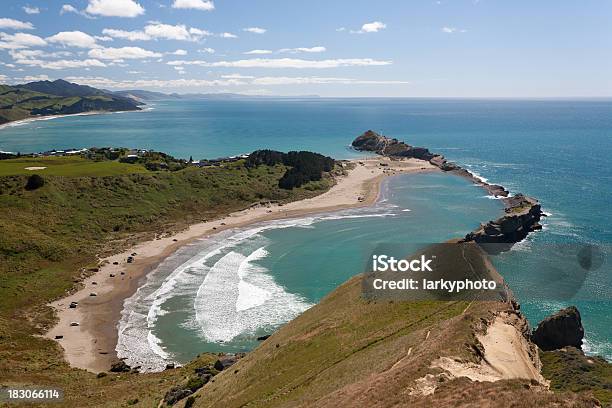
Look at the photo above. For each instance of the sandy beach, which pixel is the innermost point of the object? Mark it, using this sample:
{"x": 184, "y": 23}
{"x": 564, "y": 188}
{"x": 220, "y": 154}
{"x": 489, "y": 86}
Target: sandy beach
{"x": 89, "y": 331}
{"x": 22, "y": 122}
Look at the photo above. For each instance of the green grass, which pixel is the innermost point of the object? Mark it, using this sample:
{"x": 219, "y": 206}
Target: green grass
{"x": 571, "y": 370}
{"x": 68, "y": 166}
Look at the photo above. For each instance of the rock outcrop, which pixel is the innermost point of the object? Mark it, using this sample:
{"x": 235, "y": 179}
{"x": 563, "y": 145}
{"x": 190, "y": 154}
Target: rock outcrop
{"x": 371, "y": 141}
{"x": 522, "y": 217}
{"x": 559, "y": 330}
{"x": 120, "y": 367}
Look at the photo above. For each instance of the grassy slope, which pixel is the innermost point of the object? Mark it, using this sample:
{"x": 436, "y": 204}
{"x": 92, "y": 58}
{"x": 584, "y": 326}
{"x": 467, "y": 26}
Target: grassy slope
{"x": 569, "y": 369}
{"x": 67, "y": 166}
{"x": 49, "y": 234}
{"x": 17, "y": 103}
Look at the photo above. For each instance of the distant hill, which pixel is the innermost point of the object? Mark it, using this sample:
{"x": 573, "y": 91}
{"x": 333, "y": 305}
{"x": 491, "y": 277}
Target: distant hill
{"x": 225, "y": 96}
{"x": 61, "y": 88}
{"x": 44, "y": 98}
{"x": 141, "y": 95}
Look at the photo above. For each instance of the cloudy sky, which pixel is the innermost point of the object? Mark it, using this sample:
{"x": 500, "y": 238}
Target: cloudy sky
{"x": 456, "y": 48}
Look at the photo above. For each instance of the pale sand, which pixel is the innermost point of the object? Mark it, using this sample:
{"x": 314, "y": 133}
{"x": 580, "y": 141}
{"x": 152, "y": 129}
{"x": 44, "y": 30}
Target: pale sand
{"x": 21, "y": 122}
{"x": 507, "y": 355}
{"x": 91, "y": 345}
{"x": 508, "y": 352}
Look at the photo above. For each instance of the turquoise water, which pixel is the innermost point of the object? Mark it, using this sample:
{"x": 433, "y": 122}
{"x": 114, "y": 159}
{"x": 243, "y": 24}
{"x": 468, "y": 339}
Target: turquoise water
{"x": 557, "y": 151}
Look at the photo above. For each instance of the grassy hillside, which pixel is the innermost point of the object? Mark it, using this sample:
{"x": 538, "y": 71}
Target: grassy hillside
{"x": 75, "y": 166}
{"x": 30, "y": 100}
{"x": 569, "y": 369}
{"x": 51, "y": 233}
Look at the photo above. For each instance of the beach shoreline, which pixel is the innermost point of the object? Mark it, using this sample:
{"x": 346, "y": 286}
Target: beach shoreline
{"x": 21, "y": 122}
{"x": 90, "y": 343}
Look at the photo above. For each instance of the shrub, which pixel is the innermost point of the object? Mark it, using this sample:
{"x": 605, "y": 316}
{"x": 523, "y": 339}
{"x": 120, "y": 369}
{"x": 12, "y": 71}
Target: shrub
{"x": 303, "y": 166}
{"x": 190, "y": 401}
{"x": 34, "y": 182}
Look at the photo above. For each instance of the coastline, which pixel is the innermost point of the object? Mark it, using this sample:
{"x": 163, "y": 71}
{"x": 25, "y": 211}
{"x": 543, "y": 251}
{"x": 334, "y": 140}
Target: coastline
{"x": 91, "y": 344}
{"x": 22, "y": 122}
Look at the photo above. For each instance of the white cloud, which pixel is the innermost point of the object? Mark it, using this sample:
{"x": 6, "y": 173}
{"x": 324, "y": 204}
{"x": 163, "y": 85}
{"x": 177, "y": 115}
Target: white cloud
{"x": 452, "y": 30}
{"x": 114, "y": 8}
{"x": 225, "y": 81}
{"x": 35, "y": 78}
{"x": 372, "y": 27}
{"x": 103, "y": 38}
{"x": 3, "y": 78}
{"x": 126, "y": 35}
{"x": 255, "y": 30}
{"x": 267, "y": 81}
{"x": 302, "y": 49}
{"x": 178, "y": 52}
{"x": 258, "y": 52}
{"x": 228, "y": 35}
{"x": 22, "y": 54}
{"x": 68, "y": 8}
{"x": 237, "y": 76}
{"x": 190, "y": 84}
{"x": 31, "y": 10}
{"x": 156, "y": 30}
{"x": 73, "y": 39}
{"x": 205, "y": 5}
{"x": 199, "y": 33}
{"x": 11, "y": 24}
{"x": 167, "y": 31}
{"x": 122, "y": 53}
{"x": 61, "y": 64}
{"x": 340, "y": 29}
{"x": 207, "y": 50}
{"x": 20, "y": 40}
{"x": 286, "y": 63}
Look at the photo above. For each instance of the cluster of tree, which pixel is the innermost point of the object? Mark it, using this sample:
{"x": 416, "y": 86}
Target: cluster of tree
{"x": 155, "y": 161}
{"x": 303, "y": 166}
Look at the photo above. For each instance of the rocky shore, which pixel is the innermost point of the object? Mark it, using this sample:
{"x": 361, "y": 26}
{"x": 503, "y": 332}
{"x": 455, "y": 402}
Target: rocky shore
{"x": 521, "y": 214}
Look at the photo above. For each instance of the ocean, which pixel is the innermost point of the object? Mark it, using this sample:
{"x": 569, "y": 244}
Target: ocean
{"x": 220, "y": 294}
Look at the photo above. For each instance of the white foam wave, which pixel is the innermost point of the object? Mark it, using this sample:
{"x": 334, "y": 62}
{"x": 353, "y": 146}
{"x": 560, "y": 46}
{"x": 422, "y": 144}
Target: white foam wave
{"x": 249, "y": 294}
{"x": 155, "y": 345}
{"x": 225, "y": 308}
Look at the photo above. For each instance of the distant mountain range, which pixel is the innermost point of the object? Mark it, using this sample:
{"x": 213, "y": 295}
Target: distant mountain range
{"x": 44, "y": 98}
{"x": 59, "y": 97}
{"x": 142, "y": 96}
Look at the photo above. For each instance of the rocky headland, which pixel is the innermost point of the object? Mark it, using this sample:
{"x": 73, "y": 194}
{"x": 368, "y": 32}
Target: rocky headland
{"x": 521, "y": 214}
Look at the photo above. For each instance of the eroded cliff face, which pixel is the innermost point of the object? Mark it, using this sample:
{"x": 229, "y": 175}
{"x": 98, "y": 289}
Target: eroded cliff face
{"x": 522, "y": 213}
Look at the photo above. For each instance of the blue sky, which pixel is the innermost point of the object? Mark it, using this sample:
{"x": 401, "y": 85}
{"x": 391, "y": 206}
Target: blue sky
{"x": 451, "y": 48}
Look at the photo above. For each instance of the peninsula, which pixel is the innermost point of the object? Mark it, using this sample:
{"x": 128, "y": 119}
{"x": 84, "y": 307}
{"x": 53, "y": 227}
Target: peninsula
{"x": 522, "y": 213}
